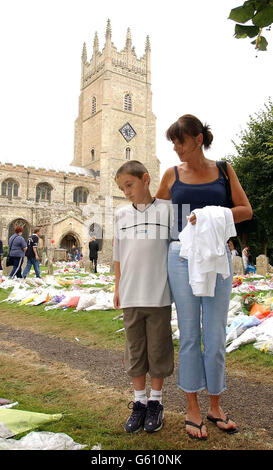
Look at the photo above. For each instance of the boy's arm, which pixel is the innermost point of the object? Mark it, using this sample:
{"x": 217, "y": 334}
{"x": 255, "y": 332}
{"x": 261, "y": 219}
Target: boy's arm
{"x": 35, "y": 252}
{"x": 116, "y": 295}
{"x": 35, "y": 248}
{"x": 116, "y": 259}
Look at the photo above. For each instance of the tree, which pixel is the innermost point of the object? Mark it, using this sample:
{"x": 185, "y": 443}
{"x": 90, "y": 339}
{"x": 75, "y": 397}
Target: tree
{"x": 253, "y": 164}
{"x": 260, "y": 15}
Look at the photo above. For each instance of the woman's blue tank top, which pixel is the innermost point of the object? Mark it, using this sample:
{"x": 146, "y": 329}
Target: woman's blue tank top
{"x": 187, "y": 197}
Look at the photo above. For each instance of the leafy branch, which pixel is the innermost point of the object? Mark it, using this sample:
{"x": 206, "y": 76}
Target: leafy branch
{"x": 259, "y": 14}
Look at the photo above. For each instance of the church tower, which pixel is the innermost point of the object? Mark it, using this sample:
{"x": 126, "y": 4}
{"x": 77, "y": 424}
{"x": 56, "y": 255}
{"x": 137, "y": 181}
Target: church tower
{"x": 115, "y": 121}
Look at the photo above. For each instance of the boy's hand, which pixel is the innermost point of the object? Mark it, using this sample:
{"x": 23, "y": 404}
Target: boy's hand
{"x": 116, "y": 301}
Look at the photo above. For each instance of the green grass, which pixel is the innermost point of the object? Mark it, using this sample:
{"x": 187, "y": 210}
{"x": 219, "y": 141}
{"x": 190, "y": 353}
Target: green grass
{"x": 98, "y": 329}
{"x": 98, "y": 324}
{"x": 247, "y": 354}
{"x": 40, "y": 390}
{"x": 85, "y": 425}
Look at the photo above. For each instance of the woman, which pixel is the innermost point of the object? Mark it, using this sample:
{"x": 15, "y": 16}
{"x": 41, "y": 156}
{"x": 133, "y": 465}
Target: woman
{"x": 197, "y": 182}
{"x": 233, "y": 252}
{"x": 248, "y": 261}
{"x": 17, "y": 248}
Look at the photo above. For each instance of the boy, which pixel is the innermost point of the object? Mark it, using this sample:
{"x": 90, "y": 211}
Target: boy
{"x": 32, "y": 253}
{"x": 142, "y": 290}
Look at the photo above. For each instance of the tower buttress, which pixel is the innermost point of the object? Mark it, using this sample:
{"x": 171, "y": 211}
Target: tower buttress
{"x": 96, "y": 44}
{"x": 84, "y": 59}
{"x": 148, "y": 59}
{"x": 128, "y": 39}
{"x": 108, "y": 47}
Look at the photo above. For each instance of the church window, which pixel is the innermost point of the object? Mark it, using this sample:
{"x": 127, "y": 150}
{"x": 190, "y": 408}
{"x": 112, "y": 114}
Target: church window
{"x": 10, "y": 189}
{"x": 92, "y": 154}
{"x": 94, "y": 105}
{"x": 43, "y": 192}
{"x": 127, "y": 102}
{"x": 80, "y": 195}
{"x": 4, "y": 188}
{"x": 128, "y": 153}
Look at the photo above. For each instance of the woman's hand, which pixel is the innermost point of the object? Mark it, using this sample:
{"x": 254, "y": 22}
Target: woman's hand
{"x": 192, "y": 219}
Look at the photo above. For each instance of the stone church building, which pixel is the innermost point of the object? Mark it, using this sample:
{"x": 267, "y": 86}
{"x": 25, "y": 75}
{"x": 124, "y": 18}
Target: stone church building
{"x": 115, "y": 123}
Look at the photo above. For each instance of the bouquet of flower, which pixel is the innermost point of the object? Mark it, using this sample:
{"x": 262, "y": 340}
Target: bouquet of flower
{"x": 249, "y": 300}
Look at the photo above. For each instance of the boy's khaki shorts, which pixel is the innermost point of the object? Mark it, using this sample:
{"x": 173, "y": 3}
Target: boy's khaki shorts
{"x": 149, "y": 344}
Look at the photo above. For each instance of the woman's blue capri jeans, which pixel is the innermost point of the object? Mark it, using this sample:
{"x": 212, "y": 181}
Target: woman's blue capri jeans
{"x": 199, "y": 369}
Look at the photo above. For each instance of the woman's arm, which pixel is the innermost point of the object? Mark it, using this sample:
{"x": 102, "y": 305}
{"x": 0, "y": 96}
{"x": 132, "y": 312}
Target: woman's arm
{"x": 165, "y": 185}
{"x": 242, "y": 209}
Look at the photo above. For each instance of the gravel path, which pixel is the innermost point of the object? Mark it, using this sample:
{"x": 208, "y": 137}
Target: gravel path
{"x": 248, "y": 402}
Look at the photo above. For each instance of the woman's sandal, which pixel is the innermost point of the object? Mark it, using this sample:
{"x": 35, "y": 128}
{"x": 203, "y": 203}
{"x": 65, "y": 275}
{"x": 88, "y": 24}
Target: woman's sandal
{"x": 220, "y": 420}
{"x": 190, "y": 423}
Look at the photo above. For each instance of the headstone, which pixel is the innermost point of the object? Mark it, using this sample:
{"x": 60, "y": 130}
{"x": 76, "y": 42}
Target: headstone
{"x": 88, "y": 266}
{"x": 60, "y": 254}
{"x": 44, "y": 259}
{"x": 6, "y": 269}
{"x": 50, "y": 268}
{"x": 237, "y": 265}
{"x": 262, "y": 265}
{"x": 24, "y": 263}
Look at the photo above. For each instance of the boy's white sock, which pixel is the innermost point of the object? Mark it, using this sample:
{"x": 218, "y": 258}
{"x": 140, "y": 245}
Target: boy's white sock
{"x": 141, "y": 395}
{"x": 156, "y": 395}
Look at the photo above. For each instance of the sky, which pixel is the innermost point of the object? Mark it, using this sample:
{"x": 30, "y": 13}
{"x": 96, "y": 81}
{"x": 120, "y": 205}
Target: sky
{"x": 198, "y": 67}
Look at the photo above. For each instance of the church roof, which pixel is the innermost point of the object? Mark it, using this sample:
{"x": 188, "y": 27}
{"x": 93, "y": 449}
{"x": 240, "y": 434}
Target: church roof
{"x": 58, "y": 167}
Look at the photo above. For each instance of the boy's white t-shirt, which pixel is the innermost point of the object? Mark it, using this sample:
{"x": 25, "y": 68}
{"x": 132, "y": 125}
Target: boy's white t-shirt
{"x": 141, "y": 246}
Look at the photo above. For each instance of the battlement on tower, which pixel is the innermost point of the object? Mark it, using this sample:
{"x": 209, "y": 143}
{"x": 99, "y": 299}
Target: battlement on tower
{"x": 125, "y": 61}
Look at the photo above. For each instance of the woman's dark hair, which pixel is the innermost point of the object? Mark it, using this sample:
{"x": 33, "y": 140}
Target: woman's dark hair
{"x": 192, "y": 126}
{"x": 133, "y": 167}
{"x": 18, "y": 229}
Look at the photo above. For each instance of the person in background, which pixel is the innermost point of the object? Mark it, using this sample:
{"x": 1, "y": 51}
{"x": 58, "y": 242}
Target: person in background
{"x": 17, "y": 248}
{"x": 232, "y": 249}
{"x": 245, "y": 256}
{"x": 1, "y": 254}
{"x": 248, "y": 261}
{"x": 32, "y": 253}
{"x": 73, "y": 253}
{"x": 93, "y": 252}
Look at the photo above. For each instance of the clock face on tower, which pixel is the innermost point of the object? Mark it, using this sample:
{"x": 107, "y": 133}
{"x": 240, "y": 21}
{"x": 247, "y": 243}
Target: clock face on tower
{"x": 127, "y": 131}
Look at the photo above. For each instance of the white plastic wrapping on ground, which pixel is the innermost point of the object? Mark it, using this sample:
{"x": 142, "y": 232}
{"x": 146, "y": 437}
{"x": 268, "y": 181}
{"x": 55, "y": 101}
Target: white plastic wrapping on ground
{"x": 41, "y": 441}
{"x": 262, "y": 333}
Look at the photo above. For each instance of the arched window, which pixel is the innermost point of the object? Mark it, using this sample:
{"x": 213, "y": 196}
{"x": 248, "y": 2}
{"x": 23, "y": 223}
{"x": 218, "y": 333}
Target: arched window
{"x": 80, "y": 195}
{"x": 9, "y": 188}
{"x": 92, "y": 155}
{"x": 94, "y": 105}
{"x": 127, "y": 102}
{"x": 128, "y": 153}
{"x": 43, "y": 192}
{"x": 21, "y": 223}
{"x": 4, "y": 188}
